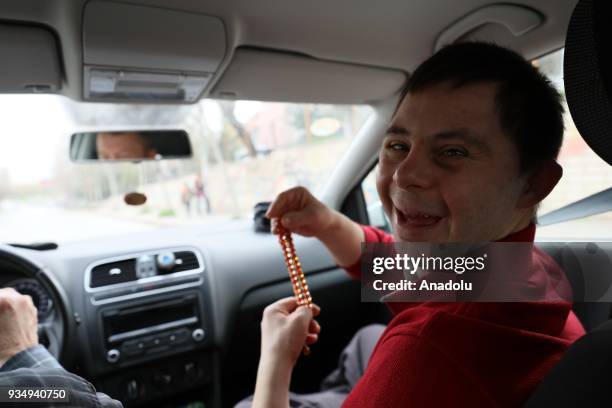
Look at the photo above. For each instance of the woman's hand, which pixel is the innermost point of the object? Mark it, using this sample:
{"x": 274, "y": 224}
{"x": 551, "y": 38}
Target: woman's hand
{"x": 286, "y": 328}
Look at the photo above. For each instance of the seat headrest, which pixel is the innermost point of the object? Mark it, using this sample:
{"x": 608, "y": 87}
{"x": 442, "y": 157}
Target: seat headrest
{"x": 588, "y": 74}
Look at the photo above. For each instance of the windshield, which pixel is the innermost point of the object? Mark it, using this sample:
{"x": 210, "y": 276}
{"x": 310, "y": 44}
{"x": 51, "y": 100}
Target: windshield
{"x": 243, "y": 152}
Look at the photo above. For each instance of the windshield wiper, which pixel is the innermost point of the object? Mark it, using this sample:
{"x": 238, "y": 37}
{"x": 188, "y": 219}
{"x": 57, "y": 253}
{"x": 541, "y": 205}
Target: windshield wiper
{"x": 37, "y": 246}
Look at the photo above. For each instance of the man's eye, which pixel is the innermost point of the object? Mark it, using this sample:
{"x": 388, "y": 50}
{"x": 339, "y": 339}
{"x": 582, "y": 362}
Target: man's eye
{"x": 397, "y": 146}
{"x": 454, "y": 152}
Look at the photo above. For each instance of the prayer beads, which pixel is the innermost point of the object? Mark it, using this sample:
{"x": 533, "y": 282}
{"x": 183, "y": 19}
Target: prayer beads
{"x": 298, "y": 280}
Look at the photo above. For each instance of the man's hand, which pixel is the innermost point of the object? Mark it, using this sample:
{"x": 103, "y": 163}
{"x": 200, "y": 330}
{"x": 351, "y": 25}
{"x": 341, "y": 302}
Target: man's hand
{"x": 18, "y": 323}
{"x": 300, "y": 212}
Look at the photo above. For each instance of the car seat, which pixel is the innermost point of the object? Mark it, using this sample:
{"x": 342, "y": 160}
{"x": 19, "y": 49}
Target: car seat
{"x": 582, "y": 377}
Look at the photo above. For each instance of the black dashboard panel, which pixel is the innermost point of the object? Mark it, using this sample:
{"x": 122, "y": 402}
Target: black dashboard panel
{"x": 153, "y": 337}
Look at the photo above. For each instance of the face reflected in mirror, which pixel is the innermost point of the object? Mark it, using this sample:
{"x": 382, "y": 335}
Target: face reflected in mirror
{"x": 129, "y": 145}
{"x": 123, "y": 146}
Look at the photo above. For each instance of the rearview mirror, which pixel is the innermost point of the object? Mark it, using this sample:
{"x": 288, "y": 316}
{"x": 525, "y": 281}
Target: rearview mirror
{"x": 130, "y": 145}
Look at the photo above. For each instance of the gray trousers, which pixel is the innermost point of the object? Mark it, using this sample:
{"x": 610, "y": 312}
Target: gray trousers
{"x": 337, "y": 385}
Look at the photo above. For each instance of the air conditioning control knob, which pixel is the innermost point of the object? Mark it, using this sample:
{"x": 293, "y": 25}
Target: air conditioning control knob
{"x": 198, "y": 334}
{"x": 166, "y": 260}
{"x": 112, "y": 356}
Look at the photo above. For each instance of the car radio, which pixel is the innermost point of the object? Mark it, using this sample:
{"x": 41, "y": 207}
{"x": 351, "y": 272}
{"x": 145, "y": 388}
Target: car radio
{"x": 139, "y": 331}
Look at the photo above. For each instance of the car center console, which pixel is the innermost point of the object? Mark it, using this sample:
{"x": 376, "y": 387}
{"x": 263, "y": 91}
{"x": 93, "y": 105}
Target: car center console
{"x": 152, "y": 336}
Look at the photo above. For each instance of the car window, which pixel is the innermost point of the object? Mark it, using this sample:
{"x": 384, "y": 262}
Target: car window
{"x": 376, "y": 214}
{"x": 244, "y": 152}
{"x": 584, "y": 173}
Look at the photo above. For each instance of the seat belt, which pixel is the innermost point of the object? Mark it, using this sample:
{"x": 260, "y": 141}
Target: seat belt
{"x": 594, "y": 204}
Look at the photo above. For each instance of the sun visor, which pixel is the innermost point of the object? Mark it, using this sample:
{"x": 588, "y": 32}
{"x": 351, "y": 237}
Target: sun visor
{"x": 136, "y": 53}
{"x": 277, "y": 76}
{"x": 587, "y": 69}
{"x": 31, "y": 61}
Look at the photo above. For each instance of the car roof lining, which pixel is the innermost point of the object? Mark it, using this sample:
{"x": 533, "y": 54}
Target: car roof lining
{"x": 346, "y": 32}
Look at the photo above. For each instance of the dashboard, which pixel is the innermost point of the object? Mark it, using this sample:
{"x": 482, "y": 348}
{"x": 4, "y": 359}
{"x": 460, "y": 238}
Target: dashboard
{"x": 152, "y": 316}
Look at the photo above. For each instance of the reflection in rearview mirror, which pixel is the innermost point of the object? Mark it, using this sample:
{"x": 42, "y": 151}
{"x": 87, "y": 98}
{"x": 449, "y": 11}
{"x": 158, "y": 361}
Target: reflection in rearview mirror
{"x": 130, "y": 145}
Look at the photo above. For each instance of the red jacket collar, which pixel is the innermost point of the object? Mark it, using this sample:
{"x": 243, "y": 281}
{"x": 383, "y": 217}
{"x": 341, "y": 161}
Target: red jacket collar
{"x": 527, "y": 234}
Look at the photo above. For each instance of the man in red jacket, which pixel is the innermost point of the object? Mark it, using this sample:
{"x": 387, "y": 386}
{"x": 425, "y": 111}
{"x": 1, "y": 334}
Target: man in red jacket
{"x": 469, "y": 154}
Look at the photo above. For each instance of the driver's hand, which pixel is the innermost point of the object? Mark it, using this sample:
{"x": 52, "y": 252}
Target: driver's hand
{"x": 18, "y": 323}
{"x": 300, "y": 212}
{"x": 286, "y": 328}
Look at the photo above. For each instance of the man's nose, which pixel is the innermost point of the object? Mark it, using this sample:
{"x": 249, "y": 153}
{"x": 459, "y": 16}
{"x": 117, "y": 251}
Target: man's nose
{"x": 415, "y": 171}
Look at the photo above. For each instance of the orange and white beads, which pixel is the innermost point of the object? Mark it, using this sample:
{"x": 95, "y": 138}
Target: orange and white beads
{"x": 298, "y": 280}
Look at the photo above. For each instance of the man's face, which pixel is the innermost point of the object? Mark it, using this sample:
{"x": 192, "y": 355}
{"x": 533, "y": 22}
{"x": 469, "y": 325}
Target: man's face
{"x": 122, "y": 146}
{"x": 447, "y": 170}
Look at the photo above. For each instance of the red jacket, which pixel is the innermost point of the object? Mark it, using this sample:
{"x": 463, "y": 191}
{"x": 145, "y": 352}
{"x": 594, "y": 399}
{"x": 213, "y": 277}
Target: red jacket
{"x": 465, "y": 354}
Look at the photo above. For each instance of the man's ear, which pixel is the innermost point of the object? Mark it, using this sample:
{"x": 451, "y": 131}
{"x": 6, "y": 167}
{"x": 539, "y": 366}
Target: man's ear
{"x": 540, "y": 183}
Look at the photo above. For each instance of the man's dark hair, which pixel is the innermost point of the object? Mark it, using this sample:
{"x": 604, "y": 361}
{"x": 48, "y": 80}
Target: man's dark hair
{"x": 529, "y": 106}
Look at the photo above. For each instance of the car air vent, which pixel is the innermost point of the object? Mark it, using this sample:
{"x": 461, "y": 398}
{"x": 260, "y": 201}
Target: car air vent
{"x": 185, "y": 261}
{"x": 113, "y": 273}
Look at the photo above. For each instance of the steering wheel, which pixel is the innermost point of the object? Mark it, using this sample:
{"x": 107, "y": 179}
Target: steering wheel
{"x": 55, "y": 329}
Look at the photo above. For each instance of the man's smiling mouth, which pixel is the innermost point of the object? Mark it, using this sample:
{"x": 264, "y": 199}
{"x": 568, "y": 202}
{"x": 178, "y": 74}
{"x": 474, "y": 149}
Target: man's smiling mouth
{"x": 415, "y": 219}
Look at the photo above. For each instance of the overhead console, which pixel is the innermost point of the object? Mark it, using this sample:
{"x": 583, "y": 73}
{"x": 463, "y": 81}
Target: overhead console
{"x": 138, "y": 54}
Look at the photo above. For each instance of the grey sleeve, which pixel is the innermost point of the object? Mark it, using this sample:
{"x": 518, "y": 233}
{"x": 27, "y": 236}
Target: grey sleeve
{"x": 36, "y": 367}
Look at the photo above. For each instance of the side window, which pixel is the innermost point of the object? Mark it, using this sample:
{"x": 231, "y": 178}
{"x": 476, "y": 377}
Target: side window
{"x": 584, "y": 174}
{"x": 377, "y": 215}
